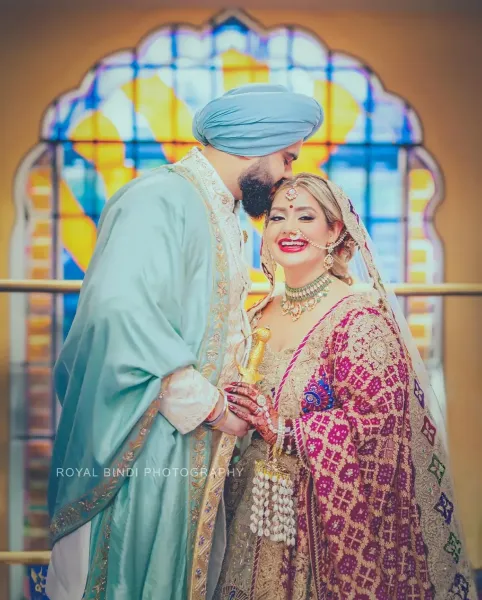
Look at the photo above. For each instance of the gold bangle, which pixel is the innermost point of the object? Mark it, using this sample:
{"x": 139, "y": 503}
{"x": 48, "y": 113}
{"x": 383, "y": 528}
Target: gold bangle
{"x": 213, "y": 419}
{"x": 211, "y": 422}
{"x": 223, "y": 418}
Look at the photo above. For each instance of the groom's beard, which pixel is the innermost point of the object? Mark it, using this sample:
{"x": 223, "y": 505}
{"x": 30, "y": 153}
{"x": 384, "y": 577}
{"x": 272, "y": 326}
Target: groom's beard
{"x": 256, "y": 184}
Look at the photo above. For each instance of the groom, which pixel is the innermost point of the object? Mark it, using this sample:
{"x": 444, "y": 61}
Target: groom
{"x": 159, "y": 329}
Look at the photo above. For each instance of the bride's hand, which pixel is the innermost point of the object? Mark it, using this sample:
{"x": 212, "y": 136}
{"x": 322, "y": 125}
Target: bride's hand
{"x": 249, "y": 404}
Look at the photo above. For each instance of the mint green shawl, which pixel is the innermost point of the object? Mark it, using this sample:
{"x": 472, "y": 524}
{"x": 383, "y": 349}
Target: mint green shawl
{"x": 154, "y": 299}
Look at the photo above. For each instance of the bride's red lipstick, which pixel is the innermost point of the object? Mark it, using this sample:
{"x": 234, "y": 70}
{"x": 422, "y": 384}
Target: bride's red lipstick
{"x": 288, "y": 245}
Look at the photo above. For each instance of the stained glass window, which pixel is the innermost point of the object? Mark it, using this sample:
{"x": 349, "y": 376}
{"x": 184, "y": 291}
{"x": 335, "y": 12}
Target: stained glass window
{"x": 133, "y": 112}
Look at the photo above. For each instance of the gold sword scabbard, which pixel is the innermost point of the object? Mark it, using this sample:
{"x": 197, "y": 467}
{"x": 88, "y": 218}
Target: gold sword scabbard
{"x": 250, "y": 373}
{"x": 222, "y": 454}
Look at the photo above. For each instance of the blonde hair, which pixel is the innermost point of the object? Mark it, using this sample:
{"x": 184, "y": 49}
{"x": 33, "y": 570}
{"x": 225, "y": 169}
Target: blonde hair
{"x": 318, "y": 188}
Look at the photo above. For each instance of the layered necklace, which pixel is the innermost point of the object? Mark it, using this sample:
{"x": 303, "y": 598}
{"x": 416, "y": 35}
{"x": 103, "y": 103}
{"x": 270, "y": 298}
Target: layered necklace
{"x": 297, "y": 301}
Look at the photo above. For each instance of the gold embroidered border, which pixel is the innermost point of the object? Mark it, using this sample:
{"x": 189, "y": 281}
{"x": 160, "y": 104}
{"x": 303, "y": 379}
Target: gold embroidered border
{"x": 443, "y": 569}
{"x": 206, "y": 490}
{"x": 207, "y": 518}
{"x": 79, "y": 512}
{"x": 96, "y": 586}
{"x": 199, "y": 463}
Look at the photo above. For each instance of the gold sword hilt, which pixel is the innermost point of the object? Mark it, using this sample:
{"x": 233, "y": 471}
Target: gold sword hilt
{"x": 250, "y": 373}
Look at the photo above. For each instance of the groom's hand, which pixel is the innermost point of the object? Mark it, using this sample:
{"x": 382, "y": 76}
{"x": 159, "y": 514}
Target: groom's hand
{"x": 233, "y": 425}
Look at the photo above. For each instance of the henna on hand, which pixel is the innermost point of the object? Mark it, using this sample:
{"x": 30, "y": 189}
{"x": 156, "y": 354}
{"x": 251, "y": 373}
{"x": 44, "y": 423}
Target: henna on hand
{"x": 262, "y": 415}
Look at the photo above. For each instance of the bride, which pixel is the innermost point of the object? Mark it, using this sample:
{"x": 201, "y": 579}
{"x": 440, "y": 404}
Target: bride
{"x": 344, "y": 490}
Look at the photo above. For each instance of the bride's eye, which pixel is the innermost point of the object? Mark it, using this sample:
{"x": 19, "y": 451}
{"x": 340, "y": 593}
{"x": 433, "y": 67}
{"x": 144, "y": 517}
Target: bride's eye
{"x": 275, "y": 218}
{"x": 307, "y": 218}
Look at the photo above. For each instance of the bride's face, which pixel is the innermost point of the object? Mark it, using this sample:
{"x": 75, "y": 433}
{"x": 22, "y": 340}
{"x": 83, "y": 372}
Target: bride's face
{"x": 303, "y": 213}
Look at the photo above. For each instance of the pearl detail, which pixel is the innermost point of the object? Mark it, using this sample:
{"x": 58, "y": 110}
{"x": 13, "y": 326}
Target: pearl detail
{"x": 272, "y": 512}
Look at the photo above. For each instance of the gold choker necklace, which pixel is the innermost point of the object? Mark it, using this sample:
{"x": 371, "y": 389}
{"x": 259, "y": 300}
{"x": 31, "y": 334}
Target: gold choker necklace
{"x": 298, "y": 300}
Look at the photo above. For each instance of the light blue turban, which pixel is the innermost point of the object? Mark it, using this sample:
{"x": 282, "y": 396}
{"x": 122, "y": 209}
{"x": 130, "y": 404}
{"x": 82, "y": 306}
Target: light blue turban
{"x": 257, "y": 119}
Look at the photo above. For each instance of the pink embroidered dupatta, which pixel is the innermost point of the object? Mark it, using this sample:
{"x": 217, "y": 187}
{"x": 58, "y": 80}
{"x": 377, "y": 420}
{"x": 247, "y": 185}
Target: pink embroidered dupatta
{"x": 363, "y": 523}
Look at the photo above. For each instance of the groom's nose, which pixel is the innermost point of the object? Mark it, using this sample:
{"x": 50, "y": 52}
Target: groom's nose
{"x": 288, "y": 171}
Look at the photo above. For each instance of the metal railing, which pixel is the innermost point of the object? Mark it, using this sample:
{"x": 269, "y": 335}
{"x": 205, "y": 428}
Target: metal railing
{"x": 69, "y": 287}
{"x": 51, "y": 286}
{"x": 32, "y": 557}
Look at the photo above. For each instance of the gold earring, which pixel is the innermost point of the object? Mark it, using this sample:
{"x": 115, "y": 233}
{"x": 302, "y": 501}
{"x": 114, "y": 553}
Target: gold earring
{"x": 329, "y": 261}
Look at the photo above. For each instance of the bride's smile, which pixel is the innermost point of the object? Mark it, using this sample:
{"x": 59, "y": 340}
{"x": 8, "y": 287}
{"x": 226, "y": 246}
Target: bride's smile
{"x": 289, "y": 245}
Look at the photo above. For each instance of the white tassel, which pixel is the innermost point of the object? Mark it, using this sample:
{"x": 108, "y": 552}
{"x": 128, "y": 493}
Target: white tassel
{"x": 272, "y": 514}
